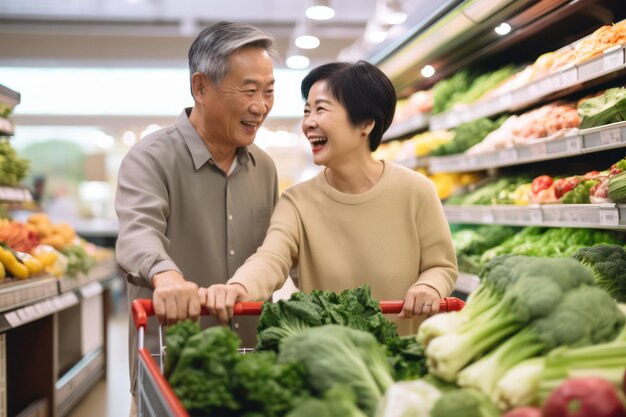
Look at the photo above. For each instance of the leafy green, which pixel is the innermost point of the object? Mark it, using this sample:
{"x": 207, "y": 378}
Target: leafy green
{"x": 603, "y": 109}
{"x": 467, "y": 135}
{"x": 177, "y": 336}
{"x": 338, "y": 355}
{"x": 339, "y": 401}
{"x": 484, "y": 83}
{"x": 580, "y": 193}
{"x": 446, "y": 91}
{"x": 406, "y": 357}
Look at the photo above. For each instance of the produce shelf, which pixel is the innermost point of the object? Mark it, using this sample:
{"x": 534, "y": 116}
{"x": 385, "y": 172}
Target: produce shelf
{"x": 6, "y": 127}
{"x": 32, "y": 312}
{"x": 99, "y": 272}
{"x": 8, "y": 96}
{"x": 552, "y": 86}
{"x": 576, "y": 142}
{"x": 417, "y": 162}
{"x": 17, "y": 293}
{"x": 413, "y": 125}
{"x": 595, "y": 216}
{"x": 15, "y": 194}
{"x": 75, "y": 384}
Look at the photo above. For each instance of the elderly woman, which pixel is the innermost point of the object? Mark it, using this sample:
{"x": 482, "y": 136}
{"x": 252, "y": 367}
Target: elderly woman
{"x": 360, "y": 220}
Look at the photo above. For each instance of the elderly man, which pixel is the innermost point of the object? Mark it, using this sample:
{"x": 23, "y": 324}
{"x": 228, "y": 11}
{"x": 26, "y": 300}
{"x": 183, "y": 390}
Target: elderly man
{"x": 194, "y": 199}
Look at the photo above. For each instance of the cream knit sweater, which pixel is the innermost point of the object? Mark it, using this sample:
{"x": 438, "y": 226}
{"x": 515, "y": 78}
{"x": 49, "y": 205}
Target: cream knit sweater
{"x": 391, "y": 237}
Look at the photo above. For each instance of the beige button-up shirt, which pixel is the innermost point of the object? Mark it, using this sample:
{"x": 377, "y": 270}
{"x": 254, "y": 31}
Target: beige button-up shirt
{"x": 179, "y": 211}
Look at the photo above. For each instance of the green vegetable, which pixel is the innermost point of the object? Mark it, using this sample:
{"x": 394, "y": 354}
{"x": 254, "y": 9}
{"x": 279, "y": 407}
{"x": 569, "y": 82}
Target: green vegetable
{"x": 202, "y": 378}
{"x": 269, "y": 388}
{"x": 617, "y": 187}
{"x": 406, "y": 357}
{"x": 470, "y": 243}
{"x": 337, "y": 355}
{"x": 467, "y": 135}
{"x": 409, "y": 398}
{"x": 584, "y": 316}
{"x": 466, "y": 403}
{"x": 177, "y": 336}
{"x": 491, "y": 319}
{"x": 13, "y": 169}
{"x": 604, "y": 109}
{"x": 608, "y": 264}
{"x": 520, "y": 385}
{"x": 354, "y": 308}
{"x": 446, "y": 91}
{"x": 484, "y": 83}
{"x": 339, "y": 401}
{"x": 580, "y": 193}
{"x": 78, "y": 260}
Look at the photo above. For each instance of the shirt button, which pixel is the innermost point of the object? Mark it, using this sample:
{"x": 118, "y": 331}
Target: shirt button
{"x": 230, "y": 217}
{"x": 232, "y": 252}
{"x": 236, "y": 325}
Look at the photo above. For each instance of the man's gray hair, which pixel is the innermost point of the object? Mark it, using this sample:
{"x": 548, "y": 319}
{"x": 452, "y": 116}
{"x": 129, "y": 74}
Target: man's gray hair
{"x": 210, "y": 51}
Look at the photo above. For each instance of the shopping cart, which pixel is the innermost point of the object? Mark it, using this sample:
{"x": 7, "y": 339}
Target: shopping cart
{"x": 155, "y": 397}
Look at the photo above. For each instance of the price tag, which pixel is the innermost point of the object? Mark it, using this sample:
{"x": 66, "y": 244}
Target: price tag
{"x": 508, "y": 155}
{"x": 574, "y": 144}
{"x": 613, "y": 59}
{"x": 487, "y": 217}
{"x": 609, "y": 217}
{"x": 539, "y": 149}
{"x": 13, "y": 319}
{"x": 536, "y": 216}
{"x": 505, "y": 101}
{"x": 471, "y": 162}
{"x": 610, "y": 137}
{"x": 569, "y": 77}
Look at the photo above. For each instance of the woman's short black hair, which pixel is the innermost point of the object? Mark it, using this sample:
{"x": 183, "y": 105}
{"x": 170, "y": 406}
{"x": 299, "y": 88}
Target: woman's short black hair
{"x": 363, "y": 89}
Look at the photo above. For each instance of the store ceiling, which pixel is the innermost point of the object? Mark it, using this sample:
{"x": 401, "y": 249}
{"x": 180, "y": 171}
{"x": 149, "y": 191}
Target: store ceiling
{"x": 156, "y": 32}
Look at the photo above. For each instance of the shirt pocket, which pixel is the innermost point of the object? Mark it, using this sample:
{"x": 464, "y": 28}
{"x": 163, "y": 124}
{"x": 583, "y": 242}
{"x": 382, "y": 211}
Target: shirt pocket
{"x": 260, "y": 223}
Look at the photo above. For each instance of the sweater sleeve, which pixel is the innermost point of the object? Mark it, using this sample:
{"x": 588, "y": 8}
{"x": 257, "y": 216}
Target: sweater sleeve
{"x": 266, "y": 271}
{"x": 438, "y": 267}
{"x": 141, "y": 203}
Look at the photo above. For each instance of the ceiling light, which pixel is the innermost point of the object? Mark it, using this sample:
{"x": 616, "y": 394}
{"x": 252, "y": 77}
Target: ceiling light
{"x": 307, "y": 42}
{"x": 374, "y": 32}
{"x": 391, "y": 12}
{"x": 502, "y": 29}
{"x": 428, "y": 71}
{"x": 129, "y": 138}
{"x": 298, "y": 62}
{"x": 320, "y": 10}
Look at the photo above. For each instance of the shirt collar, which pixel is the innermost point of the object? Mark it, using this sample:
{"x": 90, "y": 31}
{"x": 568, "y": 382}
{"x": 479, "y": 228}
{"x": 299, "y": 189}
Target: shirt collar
{"x": 198, "y": 150}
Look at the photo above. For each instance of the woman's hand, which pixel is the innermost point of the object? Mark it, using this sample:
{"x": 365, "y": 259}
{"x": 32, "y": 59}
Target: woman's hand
{"x": 219, "y": 299}
{"x": 420, "y": 300}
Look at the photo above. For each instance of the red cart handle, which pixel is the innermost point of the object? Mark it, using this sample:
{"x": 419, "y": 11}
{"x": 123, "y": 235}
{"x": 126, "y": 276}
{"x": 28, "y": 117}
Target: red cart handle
{"x": 143, "y": 308}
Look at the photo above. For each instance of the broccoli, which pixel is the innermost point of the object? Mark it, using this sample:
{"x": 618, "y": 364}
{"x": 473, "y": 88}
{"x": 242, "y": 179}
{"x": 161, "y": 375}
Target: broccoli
{"x": 464, "y": 402}
{"x": 585, "y": 315}
{"x": 608, "y": 264}
{"x": 334, "y": 354}
{"x": 531, "y": 288}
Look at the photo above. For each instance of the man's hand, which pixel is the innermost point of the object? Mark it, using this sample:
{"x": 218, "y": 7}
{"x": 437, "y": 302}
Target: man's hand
{"x": 219, "y": 299}
{"x": 174, "y": 298}
{"x": 420, "y": 300}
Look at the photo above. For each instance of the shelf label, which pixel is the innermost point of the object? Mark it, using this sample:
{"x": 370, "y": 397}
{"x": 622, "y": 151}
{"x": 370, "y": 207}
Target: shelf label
{"x": 611, "y": 136}
{"x": 539, "y": 149}
{"x": 569, "y": 77}
{"x": 487, "y": 217}
{"x": 613, "y": 59}
{"x": 507, "y": 155}
{"x": 609, "y": 217}
{"x": 91, "y": 290}
{"x": 550, "y": 84}
{"x": 13, "y": 319}
{"x": 536, "y": 216}
{"x": 574, "y": 144}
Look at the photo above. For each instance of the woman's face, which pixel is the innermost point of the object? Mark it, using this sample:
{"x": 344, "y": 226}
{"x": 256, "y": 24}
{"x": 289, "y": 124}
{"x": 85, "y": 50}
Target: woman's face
{"x": 326, "y": 125}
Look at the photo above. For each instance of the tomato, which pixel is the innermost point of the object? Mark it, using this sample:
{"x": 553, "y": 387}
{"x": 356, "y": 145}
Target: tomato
{"x": 541, "y": 183}
{"x": 584, "y": 397}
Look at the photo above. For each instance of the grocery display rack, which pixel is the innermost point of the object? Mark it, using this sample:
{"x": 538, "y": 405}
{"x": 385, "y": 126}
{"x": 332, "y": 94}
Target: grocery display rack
{"x": 155, "y": 398}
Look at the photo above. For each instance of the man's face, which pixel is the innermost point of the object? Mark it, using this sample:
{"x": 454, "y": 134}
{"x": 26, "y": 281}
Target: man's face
{"x": 241, "y": 102}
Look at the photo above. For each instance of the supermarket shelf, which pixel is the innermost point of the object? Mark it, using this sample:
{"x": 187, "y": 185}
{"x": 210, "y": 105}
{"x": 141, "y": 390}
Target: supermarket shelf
{"x": 6, "y": 127}
{"x": 15, "y": 194}
{"x": 596, "y": 216}
{"x": 412, "y": 163}
{"x": 574, "y": 143}
{"x": 8, "y": 96}
{"x": 554, "y": 86}
{"x": 413, "y": 125}
{"x": 467, "y": 283}
{"x": 38, "y": 408}
{"x": 75, "y": 384}
{"x": 16, "y": 293}
{"x": 98, "y": 273}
